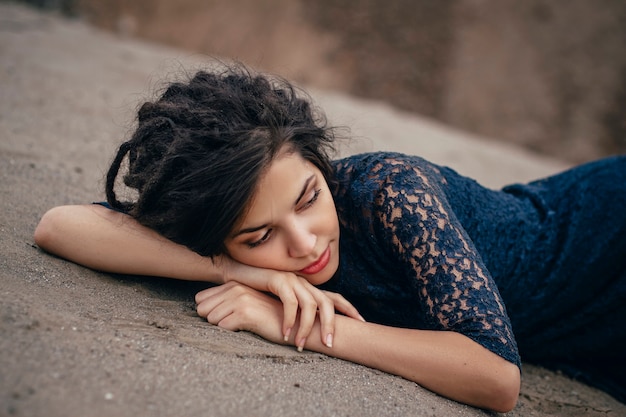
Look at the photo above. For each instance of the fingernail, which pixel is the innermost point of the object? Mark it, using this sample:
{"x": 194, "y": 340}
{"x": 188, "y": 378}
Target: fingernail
{"x": 301, "y": 344}
{"x": 329, "y": 340}
{"x": 361, "y": 317}
{"x": 286, "y": 336}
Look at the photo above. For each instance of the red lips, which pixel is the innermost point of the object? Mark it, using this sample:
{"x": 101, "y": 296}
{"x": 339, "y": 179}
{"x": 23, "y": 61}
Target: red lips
{"x": 318, "y": 265}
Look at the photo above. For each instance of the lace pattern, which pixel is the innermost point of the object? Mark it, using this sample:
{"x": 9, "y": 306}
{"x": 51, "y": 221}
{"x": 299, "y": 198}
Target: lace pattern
{"x": 431, "y": 273}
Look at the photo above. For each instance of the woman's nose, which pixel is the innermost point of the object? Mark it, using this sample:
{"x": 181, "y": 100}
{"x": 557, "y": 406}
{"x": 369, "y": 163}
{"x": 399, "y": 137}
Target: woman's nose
{"x": 301, "y": 241}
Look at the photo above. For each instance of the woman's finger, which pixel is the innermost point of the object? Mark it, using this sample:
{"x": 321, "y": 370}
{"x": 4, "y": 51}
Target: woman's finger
{"x": 290, "y": 311}
{"x": 308, "y": 314}
{"x": 282, "y": 285}
{"x": 211, "y": 291}
{"x": 209, "y": 300}
{"x": 326, "y": 311}
{"x": 219, "y": 312}
{"x": 235, "y": 307}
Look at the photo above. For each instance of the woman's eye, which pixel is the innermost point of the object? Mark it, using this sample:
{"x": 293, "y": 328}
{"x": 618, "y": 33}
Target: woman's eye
{"x": 263, "y": 239}
{"x": 313, "y": 199}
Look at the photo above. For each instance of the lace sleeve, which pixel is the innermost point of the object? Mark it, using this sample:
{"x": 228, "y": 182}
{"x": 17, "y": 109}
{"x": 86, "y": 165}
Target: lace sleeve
{"x": 455, "y": 289}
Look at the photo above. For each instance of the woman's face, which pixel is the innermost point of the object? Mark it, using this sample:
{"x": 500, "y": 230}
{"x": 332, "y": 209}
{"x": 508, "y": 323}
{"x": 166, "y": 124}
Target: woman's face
{"x": 291, "y": 224}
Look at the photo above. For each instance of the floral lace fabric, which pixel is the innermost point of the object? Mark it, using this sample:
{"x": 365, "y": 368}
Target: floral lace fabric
{"x": 405, "y": 258}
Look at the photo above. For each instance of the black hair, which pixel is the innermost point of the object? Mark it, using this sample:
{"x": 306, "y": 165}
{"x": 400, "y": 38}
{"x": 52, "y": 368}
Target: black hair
{"x": 199, "y": 151}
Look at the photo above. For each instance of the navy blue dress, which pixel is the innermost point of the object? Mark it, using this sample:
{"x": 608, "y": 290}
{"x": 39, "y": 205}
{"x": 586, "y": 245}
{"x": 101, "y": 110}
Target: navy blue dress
{"x": 424, "y": 247}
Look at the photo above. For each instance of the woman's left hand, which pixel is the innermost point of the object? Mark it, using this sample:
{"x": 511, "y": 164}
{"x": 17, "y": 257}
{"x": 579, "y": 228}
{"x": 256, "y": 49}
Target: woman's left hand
{"x": 235, "y": 306}
{"x": 300, "y": 299}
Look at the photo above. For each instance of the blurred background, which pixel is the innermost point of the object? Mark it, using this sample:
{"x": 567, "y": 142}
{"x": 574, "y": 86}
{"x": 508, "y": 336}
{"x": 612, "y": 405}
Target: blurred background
{"x": 549, "y": 75}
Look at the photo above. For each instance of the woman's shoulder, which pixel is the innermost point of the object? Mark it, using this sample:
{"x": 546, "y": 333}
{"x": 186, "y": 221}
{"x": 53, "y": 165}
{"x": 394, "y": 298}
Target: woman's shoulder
{"x": 378, "y": 164}
{"x": 375, "y": 170}
{"x": 375, "y": 179}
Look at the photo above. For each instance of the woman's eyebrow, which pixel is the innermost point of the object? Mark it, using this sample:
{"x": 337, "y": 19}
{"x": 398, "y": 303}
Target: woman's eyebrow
{"x": 249, "y": 230}
{"x": 256, "y": 228}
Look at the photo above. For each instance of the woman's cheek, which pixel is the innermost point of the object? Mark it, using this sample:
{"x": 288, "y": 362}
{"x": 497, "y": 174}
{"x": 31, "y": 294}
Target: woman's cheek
{"x": 260, "y": 257}
{"x": 269, "y": 259}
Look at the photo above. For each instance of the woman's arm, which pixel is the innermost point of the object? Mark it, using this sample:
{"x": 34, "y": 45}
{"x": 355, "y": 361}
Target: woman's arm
{"x": 106, "y": 240}
{"x": 445, "y": 362}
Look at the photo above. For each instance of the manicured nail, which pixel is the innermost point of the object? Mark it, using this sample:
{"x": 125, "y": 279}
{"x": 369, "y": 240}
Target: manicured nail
{"x": 329, "y": 340}
{"x": 286, "y": 336}
{"x": 361, "y": 317}
{"x": 301, "y": 344}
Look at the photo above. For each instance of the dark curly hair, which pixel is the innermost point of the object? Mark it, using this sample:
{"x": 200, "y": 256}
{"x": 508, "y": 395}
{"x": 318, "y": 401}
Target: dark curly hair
{"x": 200, "y": 149}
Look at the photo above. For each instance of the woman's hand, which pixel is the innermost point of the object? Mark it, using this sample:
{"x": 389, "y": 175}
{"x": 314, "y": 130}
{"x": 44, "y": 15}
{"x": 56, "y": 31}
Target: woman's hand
{"x": 445, "y": 362}
{"x": 295, "y": 293}
{"x": 235, "y": 306}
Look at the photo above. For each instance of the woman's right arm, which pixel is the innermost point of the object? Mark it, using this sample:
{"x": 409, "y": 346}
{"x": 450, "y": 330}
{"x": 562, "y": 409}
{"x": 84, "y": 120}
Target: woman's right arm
{"x": 106, "y": 240}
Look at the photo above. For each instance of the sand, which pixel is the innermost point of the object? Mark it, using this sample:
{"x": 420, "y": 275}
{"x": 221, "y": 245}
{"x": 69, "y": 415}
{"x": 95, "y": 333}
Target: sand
{"x": 79, "y": 342}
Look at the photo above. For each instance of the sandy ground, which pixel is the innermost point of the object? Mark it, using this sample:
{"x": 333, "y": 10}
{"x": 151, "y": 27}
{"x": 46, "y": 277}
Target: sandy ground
{"x": 78, "y": 342}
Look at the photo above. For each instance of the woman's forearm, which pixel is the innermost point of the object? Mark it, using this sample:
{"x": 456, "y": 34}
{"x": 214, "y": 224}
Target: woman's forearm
{"x": 106, "y": 240}
{"x": 447, "y": 363}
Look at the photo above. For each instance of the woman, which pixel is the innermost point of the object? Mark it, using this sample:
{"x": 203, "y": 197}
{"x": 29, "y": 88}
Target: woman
{"x": 234, "y": 186}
